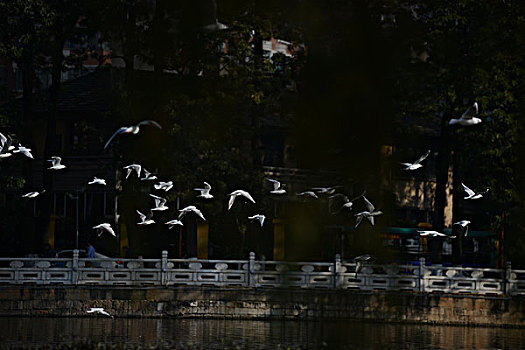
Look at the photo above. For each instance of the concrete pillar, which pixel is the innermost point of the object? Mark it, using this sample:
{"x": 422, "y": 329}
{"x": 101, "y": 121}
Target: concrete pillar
{"x": 164, "y": 268}
{"x": 507, "y": 277}
{"x": 337, "y": 271}
{"x": 422, "y": 269}
{"x": 251, "y": 270}
{"x": 74, "y": 268}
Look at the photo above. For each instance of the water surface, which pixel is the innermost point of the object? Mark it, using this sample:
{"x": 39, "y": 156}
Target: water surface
{"x": 235, "y": 334}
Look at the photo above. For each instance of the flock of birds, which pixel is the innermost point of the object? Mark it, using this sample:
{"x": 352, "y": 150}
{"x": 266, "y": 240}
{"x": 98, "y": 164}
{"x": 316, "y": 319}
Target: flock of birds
{"x": 467, "y": 119}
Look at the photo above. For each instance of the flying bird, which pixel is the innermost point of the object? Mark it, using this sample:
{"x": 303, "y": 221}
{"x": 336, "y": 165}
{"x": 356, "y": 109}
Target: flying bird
{"x": 205, "y": 192}
{"x": 25, "y": 151}
{"x": 33, "y": 194}
{"x": 148, "y": 175}
{"x": 145, "y": 220}
{"x": 5, "y": 146}
{"x": 166, "y": 186}
{"x": 258, "y": 217}
{"x": 132, "y": 167}
{"x": 417, "y": 164}
{"x": 174, "y": 222}
{"x": 160, "y": 203}
{"x": 104, "y": 227}
{"x": 55, "y": 163}
{"x": 467, "y": 118}
{"x": 188, "y": 209}
{"x": 325, "y": 190}
{"x": 237, "y": 193}
{"x": 471, "y": 194}
{"x": 132, "y": 129}
{"x": 277, "y": 187}
{"x": 97, "y": 181}
{"x": 99, "y": 310}
{"x": 305, "y": 194}
{"x": 369, "y": 214}
{"x": 347, "y": 203}
{"x": 433, "y": 234}
{"x": 464, "y": 225}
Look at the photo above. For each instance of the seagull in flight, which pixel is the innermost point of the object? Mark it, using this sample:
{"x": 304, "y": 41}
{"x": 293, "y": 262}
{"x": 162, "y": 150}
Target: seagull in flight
{"x": 5, "y": 146}
{"x": 417, "y": 163}
{"x": 325, "y": 190}
{"x": 132, "y": 167}
{"x": 33, "y": 194}
{"x": 468, "y": 118}
{"x": 471, "y": 194}
{"x": 258, "y": 217}
{"x": 433, "y": 234}
{"x": 166, "y": 186}
{"x": 99, "y": 310}
{"x": 148, "y": 175}
{"x": 307, "y": 194}
{"x": 104, "y": 227}
{"x": 347, "y": 203}
{"x": 25, "y": 151}
{"x": 237, "y": 193}
{"x": 174, "y": 222}
{"x": 464, "y": 225}
{"x": 369, "y": 214}
{"x": 132, "y": 129}
{"x": 277, "y": 187}
{"x": 160, "y": 203}
{"x": 191, "y": 208}
{"x": 144, "y": 220}
{"x": 97, "y": 181}
{"x": 55, "y": 163}
{"x": 205, "y": 192}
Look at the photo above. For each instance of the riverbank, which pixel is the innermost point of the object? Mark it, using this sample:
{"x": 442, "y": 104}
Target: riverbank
{"x": 264, "y": 304}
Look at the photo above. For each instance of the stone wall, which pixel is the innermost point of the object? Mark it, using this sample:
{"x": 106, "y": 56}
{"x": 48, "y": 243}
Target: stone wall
{"x": 249, "y": 303}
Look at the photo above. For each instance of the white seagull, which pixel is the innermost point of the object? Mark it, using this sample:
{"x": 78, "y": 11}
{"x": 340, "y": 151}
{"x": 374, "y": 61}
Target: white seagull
{"x": 464, "y": 225}
{"x": 191, "y": 208}
{"x": 160, "y": 203}
{"x": 166, "y": 186}
{"x": 277, "y": 187}
{"x": 5, "y": 146}
{"x": 148, "y": 175}
{"x": 33, "y": 194}
{"x": 174, "y": 222}
{"x": 55, "y": 163}
{"x": 205, "y": 192}
{"x": 325, "y": 190}
{"x": 104, "y": 227}
{"x": 144, "y": 220}
{"x": 433, "y": 234}
{"x": 25, "y": 151}
{"x": 471, "y": 194}
{"x": 307, "y": 194}
{"x": 369, "y": 214}
{"x": 467, "y": 118}
{"x": 132, "y": 129}
{"x": 237, "y": 193}
{"x": 347, "y": 203}
{"x": 258, "y": 217}
{"x": 132, "y": 167}
{"x": 99, "y": 310}
{"x": 97, "y": 181}
{"x": 417, "y": 163}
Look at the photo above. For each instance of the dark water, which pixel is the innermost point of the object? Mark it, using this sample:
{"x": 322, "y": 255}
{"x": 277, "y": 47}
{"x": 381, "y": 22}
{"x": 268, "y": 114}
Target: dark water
{"x": 229, "y": 334}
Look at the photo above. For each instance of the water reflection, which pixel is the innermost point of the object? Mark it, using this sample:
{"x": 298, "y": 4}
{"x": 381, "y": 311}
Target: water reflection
{"x": 223, "y": 334}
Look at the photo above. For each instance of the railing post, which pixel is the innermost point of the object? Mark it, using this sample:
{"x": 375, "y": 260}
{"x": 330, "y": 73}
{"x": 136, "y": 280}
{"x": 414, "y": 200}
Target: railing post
{"x": 164, "y": 268}
{"x": 422, "y": 269}
{"x": 337, "y": 270}
{"x": 251, "y": 270}
{"x": 506, "y": 278}
{"x": 74, "y": 268}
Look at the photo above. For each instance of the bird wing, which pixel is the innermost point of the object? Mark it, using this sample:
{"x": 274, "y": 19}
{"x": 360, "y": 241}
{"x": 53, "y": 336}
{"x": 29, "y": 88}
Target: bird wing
{"x": 423, "y": 157}
{"x": 371, "y": 219}
{"x": 358, "y": 220}
{"x": 119, "y": 131}
{"x": 142, "y": 216}
{"x": 3, "y": 139}
{"x": 247, "y": 195}
{"x": 207, "y": 186}
{"x": 149, "y": 122}
{"x": 276, "y": 184}
{"x": 369, "y": 205}
{"x": 406, "y": 164}
{"x": 199, "y": 213}
{"x": 231, "y": 201}
{"x": 468, "y": 190}
{"x": 470, "y": 112}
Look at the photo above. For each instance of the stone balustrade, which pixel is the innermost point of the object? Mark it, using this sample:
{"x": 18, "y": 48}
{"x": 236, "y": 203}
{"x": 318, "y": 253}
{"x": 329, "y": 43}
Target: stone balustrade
{"x": 254, "y": 273}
